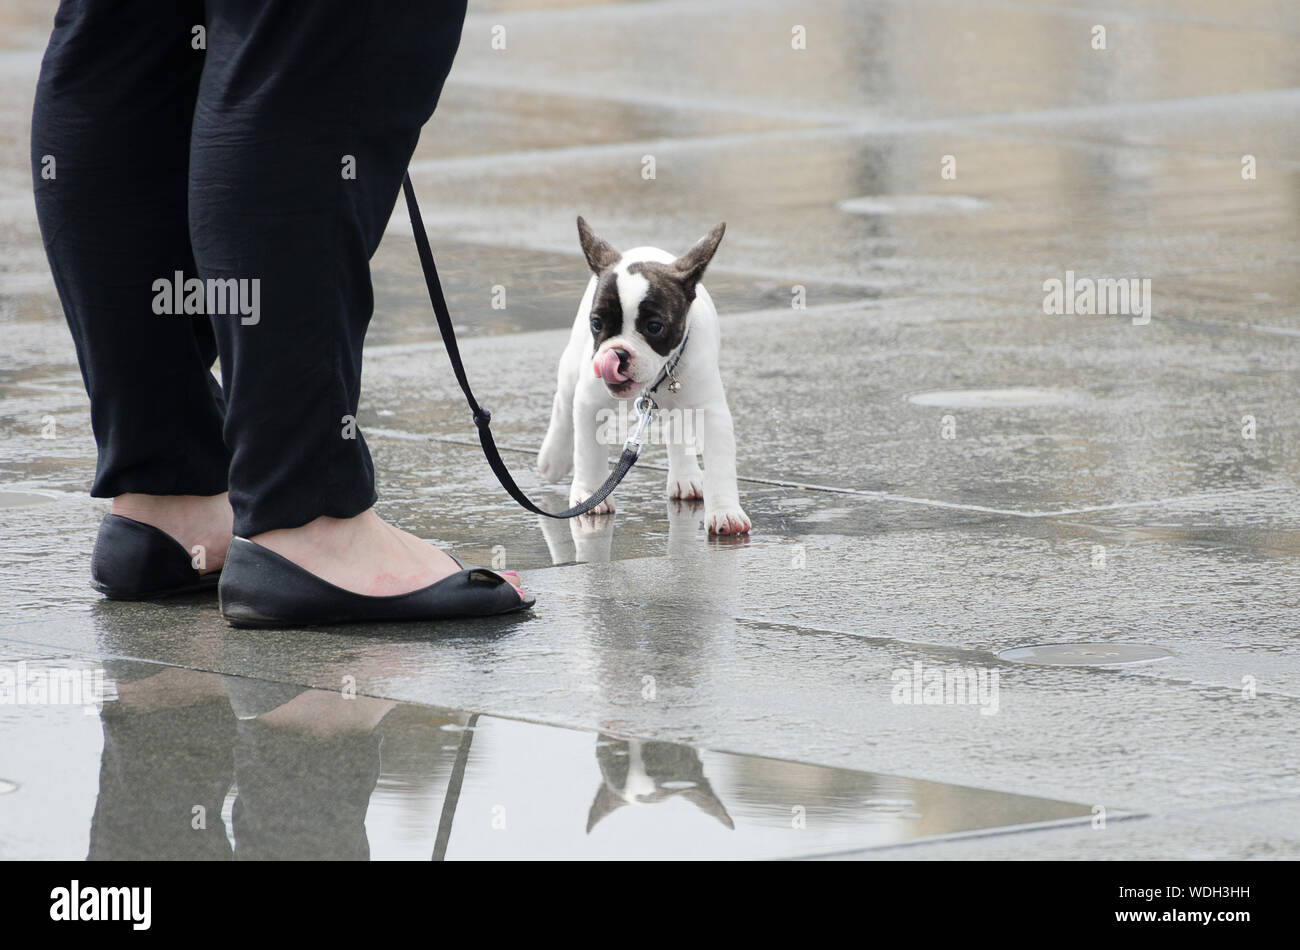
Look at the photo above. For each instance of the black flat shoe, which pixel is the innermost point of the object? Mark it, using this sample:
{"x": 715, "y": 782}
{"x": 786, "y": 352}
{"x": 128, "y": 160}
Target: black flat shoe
{"x": 136, "y": 561}
{"x": 259, "y": 588}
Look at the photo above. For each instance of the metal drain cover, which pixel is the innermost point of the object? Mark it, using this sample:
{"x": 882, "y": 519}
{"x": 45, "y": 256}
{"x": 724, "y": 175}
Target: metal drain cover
{"x": 1086, "y": 654}
{"x": 1009, "y": 398}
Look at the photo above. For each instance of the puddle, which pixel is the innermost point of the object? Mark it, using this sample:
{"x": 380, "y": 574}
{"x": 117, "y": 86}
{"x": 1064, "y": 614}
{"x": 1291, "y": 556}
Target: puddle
{"x": 1086, "y": 654}
{"x": 320, "y": 777}
{"x": 912, "y": 204}
{"x": 994, "y": 398}
{"x": 20, "y": 499}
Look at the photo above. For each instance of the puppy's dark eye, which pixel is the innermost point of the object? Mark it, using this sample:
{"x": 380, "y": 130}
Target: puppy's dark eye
{"x": 654, "y": 328}
{"x": 595, "y": 324}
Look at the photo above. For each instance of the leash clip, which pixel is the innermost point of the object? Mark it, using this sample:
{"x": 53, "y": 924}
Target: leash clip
{"x": 645, "y": 407}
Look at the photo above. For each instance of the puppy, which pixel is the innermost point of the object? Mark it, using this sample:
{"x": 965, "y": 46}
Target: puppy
{"x": 645, "y": 310}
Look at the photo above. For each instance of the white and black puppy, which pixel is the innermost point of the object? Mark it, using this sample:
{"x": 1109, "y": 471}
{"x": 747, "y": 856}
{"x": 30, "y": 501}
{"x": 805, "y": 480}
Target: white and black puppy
{"x": 645, "y": 310}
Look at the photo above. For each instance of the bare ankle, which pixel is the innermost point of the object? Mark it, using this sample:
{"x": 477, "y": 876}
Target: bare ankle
{"x": 199, "y": 523}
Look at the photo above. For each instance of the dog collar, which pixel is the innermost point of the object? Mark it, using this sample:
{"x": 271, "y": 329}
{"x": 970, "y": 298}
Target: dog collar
{"x": 645, "y": 404}
{"x": 667, "y": 371}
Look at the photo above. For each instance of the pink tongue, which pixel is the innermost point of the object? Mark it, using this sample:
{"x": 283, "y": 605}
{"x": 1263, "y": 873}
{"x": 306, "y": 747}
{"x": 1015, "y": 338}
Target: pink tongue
{"x": 606, "y": 366}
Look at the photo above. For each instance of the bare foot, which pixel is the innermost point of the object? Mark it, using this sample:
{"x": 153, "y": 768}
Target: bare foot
{"x": 200, "y": 523}
{"x": 365, "y": 555}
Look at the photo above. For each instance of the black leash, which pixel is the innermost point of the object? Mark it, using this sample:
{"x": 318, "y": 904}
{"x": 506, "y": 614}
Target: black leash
{"x": 645, "y": 405}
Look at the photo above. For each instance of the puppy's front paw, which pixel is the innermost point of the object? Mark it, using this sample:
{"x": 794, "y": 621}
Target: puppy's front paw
{"x": 685, "y": 487}
{"x": 731, "y": 520}
{"x": 578, "y": 494}
{"x": 554, "y": 461}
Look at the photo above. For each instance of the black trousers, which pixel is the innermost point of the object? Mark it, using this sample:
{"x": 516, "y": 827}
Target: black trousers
{"x": 256, "y": 141}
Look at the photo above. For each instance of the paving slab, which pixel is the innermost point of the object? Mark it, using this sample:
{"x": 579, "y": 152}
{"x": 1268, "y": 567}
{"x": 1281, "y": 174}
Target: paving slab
{"x": 807, "y": 661}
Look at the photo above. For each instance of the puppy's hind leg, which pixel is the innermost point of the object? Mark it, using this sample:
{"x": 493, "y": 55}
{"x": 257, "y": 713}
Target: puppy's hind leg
{"x": 555, "y": 459}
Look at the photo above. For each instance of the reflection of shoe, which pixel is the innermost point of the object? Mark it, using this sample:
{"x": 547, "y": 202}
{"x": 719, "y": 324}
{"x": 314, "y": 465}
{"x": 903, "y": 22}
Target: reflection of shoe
{"x": 259, "y": 588}
{"x": 136, "y": 561}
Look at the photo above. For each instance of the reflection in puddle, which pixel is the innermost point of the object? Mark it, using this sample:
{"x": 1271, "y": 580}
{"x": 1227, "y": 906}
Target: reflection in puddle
{"x": 204, "y": 767}
{"x": 912, "y": 204}
{"x": 634, "y": 772}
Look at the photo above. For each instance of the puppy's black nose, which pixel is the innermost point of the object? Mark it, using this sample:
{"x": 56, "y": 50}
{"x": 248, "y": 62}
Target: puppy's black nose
{"x": 623, "y": 356}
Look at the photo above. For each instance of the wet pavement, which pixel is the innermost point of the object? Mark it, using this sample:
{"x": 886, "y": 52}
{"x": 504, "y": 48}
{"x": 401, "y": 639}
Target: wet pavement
{"x": 940, "y": 474}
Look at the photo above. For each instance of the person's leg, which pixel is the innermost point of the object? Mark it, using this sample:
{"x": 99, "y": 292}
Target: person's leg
{"x": 110, "y": 157}
{"x": 306, "y": 118}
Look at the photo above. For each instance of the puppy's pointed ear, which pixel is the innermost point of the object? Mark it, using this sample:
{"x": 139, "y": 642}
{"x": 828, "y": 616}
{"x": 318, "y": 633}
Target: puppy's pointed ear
{"x": 600, "y": 253}
{"x": 690, "y": 266}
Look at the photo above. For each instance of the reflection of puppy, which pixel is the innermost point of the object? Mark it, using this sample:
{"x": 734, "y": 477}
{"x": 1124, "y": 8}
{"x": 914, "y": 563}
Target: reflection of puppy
{"x": 645, "y": 312}
{"x": 590, "y": 540}
{"x": 645, "y": 773}
{"x": 584, "y": 539}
